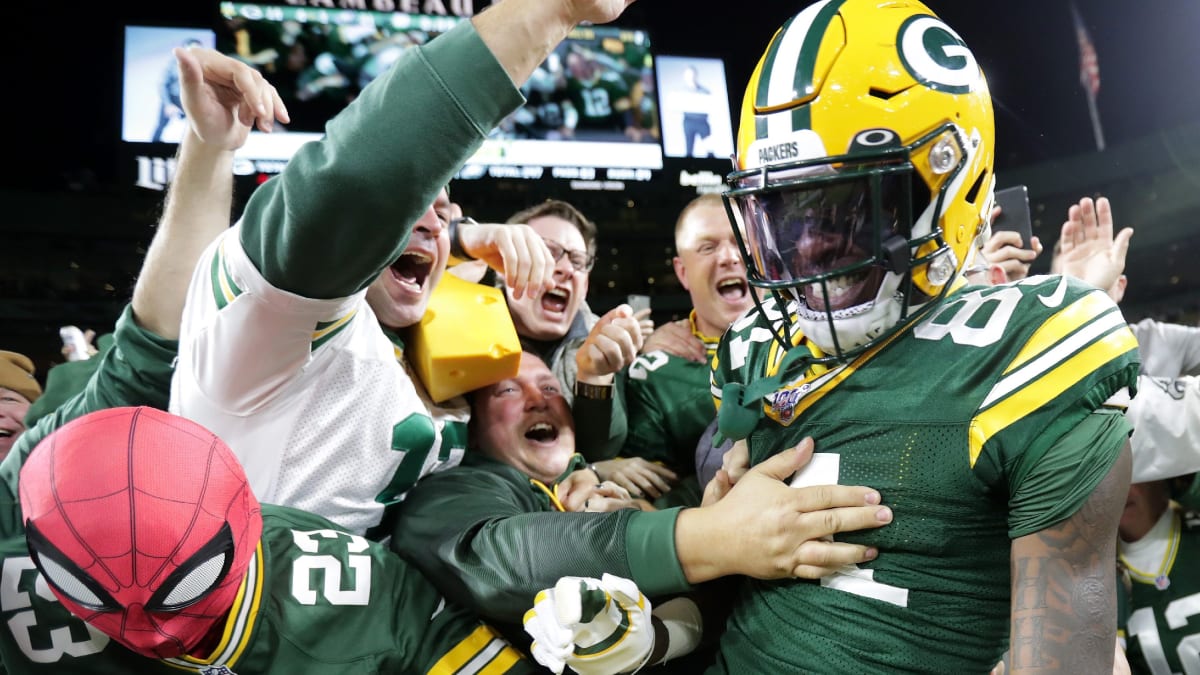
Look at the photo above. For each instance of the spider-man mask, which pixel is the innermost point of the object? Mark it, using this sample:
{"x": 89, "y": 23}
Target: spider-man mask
{"x": 143, "y": 524}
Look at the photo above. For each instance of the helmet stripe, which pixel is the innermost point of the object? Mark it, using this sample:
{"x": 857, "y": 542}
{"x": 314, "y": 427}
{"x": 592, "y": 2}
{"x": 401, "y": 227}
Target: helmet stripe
{"x": 791, "y": 60}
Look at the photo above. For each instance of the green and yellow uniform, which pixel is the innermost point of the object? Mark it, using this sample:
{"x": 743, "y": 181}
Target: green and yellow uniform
{"x": 1161, "y": 609}
{"x": 669, "y": 407}
{"x": 978, "y": 424}
{"x": 316, "y": 600}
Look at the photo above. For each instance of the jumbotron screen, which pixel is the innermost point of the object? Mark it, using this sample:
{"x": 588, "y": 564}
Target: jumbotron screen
{"x": 592, "y": 104}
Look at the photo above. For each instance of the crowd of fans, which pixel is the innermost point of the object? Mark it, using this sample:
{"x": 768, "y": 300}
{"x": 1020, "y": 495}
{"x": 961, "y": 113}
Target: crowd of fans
{"x": 876, "y": 444}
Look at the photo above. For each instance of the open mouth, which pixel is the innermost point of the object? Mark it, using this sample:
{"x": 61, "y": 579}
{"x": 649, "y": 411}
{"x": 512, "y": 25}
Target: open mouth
{"x": 542, "y": 432}
{"x": 412, "y": 269}
{"x": 733, "y": 290}
{"x": 5, "y": 433}
{"x": 555, "y": 300}
{"x": 847, "y": 290}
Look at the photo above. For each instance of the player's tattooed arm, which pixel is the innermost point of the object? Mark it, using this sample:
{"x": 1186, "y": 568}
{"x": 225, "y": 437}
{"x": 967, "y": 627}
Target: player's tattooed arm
{"x": 1064, "y": 586}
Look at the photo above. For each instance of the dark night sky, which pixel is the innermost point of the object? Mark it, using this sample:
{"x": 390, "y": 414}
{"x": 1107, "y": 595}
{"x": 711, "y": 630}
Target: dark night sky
{"x": 1147, "y": 50}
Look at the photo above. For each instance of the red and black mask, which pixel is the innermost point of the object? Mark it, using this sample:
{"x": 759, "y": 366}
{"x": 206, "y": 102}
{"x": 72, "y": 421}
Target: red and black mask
{"x": 143, "y": 524}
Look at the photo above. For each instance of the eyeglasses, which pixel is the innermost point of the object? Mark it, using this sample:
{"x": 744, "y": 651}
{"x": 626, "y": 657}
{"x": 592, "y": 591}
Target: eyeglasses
{"x": 581, "y": 261}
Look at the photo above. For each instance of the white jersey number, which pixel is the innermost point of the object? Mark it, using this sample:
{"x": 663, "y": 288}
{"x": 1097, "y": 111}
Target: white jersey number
{"x": 302, "y": 569}
{"x": 645, "y": 364}
{"x": 824, "y": 469}
{"x": 1145, "y": 628}
{"x": 961, "y": 318}
{"x": 14, "y": 595}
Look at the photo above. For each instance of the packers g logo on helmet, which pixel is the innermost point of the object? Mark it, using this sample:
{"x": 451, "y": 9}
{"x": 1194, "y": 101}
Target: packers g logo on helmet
{"x": 864, "y": 157}
{"x": 936, "y": 56}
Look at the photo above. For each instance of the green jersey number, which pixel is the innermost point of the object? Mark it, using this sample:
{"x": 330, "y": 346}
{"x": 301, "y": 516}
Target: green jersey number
{"x": 331, "y": 566}
{"x": 42, "y": 643}
{"x": 1143, "y": 625}
{"x": 415, "y": 437}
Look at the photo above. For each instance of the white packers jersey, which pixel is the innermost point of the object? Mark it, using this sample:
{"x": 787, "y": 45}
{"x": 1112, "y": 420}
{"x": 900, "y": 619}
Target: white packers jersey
{"x": 311, "y": 395}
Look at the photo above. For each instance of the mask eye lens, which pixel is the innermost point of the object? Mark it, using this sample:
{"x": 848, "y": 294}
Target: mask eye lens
{"x": 203, "y": 571}
{"x": 70, "y": 585}
{"x": 196, "y": 583}
{"x": 64, "y": 575}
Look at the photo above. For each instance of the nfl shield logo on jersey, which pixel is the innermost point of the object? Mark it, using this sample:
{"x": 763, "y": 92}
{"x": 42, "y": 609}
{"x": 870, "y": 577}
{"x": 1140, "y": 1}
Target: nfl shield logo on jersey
{"x": 216, "y": 670}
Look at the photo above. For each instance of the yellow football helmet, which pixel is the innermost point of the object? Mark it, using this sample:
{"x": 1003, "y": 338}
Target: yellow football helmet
{"x": 864, "y": 168}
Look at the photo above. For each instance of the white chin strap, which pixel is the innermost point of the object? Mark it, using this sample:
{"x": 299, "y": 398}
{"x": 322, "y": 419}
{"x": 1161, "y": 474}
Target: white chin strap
{"x": 857, "y": 325}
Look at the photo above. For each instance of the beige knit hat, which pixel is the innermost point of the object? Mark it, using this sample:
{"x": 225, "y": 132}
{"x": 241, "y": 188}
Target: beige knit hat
{"x": 16, "y": 374}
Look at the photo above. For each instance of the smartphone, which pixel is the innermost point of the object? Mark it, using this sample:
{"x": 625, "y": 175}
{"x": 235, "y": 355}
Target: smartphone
{"x": 1014, "y": 214}
{"x": 638, "y": 302}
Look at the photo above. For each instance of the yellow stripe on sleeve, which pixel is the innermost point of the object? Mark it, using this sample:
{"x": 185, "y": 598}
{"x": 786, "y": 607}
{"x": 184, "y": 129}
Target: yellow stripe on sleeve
{"x": 1042, "y": 389}
{"x": 1069, "y": 319}
{"x": 506, "y": 659}
{"x": 464, "y": 651}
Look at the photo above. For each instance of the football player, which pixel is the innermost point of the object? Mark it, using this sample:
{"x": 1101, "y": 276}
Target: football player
{"x": 1159, "y": 547}
{"x": 137, "y": 545}
{"x": 670, "y": 403}
{"x": 599, "y": 98}
{"x": 865, "y": 174}
{"x": 289, "y": 348}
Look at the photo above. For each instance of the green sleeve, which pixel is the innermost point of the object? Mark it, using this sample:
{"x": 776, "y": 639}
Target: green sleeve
{"x": 136, "y": 371}
{"x": 342, "y": 209}
{"x": 481, "y": 537}
{"x": 600, "y": 426}
{"x": 1063, "y": 479}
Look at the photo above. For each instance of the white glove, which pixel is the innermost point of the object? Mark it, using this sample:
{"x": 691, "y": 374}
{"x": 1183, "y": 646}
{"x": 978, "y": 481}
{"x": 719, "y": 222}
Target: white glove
{"x": 596, "y": 626}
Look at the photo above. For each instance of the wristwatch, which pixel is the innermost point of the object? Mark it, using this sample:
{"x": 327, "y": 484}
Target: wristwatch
{"x": 456, "y": 247}
{"x": 595, "y": 392}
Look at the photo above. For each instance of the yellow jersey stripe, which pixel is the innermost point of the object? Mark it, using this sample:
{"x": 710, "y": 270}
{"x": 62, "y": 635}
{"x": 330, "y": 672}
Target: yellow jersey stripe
{"x": 826, "y": 379}
{"x": 552, "y": 494}
{"x": 1168, "y": 563}
{"x": 464, "y": 651}
{"x": 505, "y": 660}
{"x": 239, "y": 625}
{"x": 1069, "y": 319}
{"x": 1049, "y": 358}
{"x": 1050, "y": 385}
{"x": 325, "y": 331}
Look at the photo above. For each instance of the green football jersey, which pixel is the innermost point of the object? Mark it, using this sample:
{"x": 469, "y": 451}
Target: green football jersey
{"x": 316, "y": 600}
{"x": 960, "y": 421}
{"x": 1162, "y": 608}
{"x": 669, "y": 407}
{"x": 601, "y": 103}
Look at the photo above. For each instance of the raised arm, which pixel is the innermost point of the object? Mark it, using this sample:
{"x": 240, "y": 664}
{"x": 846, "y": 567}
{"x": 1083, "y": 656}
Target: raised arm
{"x": 522, "y": 33}
{"x": 346, "y": 204}
{"x": 1064, "y": 602}
{"x": 223, "y": 98}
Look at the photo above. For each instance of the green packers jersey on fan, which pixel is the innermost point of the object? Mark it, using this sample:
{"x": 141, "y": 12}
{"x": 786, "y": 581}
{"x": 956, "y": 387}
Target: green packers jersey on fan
{"x": 669, "y": 407}
{"x": 961, "y": 422}
{"x": 1163, "y": 606}
{"x": 316, "y": 600}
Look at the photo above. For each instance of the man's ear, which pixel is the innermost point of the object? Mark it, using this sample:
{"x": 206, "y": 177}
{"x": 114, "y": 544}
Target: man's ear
{"x": 996, "y": 275}
{"x": 681, "y": 272}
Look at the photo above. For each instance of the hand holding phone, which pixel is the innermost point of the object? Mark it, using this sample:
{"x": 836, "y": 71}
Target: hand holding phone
{"x": 1014, "y": 214}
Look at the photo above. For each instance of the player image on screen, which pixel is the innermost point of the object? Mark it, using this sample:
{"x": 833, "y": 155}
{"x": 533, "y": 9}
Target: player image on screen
{"x": 320, "y": 60}
{"x": 596, "y": 86}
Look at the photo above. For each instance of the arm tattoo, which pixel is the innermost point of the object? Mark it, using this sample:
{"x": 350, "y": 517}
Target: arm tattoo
{"x": 1064, "y": 604}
